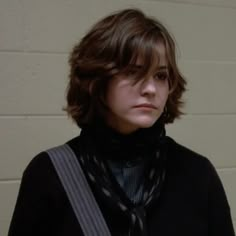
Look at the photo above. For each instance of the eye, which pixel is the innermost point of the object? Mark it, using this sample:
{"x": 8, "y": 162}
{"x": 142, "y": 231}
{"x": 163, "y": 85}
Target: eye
{"x": 132, "y": 72}
{"x": 162, "y": 76}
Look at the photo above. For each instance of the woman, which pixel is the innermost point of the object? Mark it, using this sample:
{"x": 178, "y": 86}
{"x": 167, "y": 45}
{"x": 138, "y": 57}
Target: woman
{"x": 124, "y": 87}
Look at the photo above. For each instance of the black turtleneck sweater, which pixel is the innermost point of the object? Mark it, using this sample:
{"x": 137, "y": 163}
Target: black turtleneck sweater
{"x": 192, "y": 200}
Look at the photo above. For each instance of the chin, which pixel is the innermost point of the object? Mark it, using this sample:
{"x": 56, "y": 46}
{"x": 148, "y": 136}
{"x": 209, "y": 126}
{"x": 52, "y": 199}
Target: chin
{"x": 145, "y": 123}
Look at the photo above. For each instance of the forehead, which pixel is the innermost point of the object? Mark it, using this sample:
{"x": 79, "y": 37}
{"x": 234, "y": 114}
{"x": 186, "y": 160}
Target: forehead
{"x": 161, "y": 52}
{"x": 158, "y": 57}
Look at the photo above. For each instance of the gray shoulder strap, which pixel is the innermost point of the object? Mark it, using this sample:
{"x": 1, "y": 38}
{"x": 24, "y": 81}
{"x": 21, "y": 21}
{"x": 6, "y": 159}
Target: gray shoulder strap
{"x": 78, "y": 191}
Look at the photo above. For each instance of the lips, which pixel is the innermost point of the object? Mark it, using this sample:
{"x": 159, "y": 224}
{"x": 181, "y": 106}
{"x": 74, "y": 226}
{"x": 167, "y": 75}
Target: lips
{"x": 146, "y": 105}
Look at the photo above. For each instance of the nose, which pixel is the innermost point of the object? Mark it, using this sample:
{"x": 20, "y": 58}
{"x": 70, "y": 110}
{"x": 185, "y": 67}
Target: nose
{"x": 148, "y": 87}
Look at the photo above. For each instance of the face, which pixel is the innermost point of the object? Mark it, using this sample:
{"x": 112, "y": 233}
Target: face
{"x": 138, "y": 103}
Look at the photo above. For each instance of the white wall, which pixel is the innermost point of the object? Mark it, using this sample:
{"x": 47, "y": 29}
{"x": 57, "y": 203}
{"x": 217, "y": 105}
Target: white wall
{"x": 35, "y": 38}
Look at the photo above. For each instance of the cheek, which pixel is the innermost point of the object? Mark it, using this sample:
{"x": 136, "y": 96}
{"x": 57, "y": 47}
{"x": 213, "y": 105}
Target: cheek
{"x": 110, "y": 94}
{"x": 113, "y": 98}
{"x": 118, "y": 94}
{"x": 164, "y": 93}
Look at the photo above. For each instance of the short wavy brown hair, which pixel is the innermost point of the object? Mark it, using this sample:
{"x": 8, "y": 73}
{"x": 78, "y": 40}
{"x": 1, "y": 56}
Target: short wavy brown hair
{"x": 110, "y": 47}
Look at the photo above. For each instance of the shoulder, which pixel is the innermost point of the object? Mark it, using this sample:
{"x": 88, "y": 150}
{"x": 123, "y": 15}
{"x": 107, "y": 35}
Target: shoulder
{"x": 189, "y": 163}
{"x": 192, "y": 178}
{"x": 40, "y": 178}
{"x": 181, "y": 153}
{"x": 38, "y": 165}
{"x": 41, "y": 163}
{"x": 195, "y": 172}
{"x": 41, "y": 170}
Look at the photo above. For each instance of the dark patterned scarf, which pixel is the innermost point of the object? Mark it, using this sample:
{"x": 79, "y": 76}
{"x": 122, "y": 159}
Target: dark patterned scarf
{"x": 100, "y": 143}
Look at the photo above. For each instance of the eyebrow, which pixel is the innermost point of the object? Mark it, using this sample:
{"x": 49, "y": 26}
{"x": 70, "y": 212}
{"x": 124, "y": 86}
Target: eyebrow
{"x": 163, "y": 67}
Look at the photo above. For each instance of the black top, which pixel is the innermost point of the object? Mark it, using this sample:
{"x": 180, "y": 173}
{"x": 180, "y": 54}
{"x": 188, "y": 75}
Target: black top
{"x": 192, "y": 201}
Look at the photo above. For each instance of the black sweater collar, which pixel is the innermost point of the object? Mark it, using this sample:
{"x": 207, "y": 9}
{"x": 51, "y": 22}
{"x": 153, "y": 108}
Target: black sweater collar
{"x": 116, "y": 146}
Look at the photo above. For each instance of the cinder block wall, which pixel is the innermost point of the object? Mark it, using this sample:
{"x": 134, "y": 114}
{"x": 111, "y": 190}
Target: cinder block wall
{"x": 35, "y": 38}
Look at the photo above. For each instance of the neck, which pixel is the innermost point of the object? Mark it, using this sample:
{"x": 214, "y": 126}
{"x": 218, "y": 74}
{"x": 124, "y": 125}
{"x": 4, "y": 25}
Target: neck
{"x": 112, "y": 144}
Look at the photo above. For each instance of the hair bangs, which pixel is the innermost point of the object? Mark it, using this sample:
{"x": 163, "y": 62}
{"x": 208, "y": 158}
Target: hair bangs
{"x": 145, "y": 55}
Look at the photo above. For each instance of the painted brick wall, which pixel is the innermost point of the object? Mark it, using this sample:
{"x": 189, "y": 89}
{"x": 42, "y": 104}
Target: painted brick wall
{"x": 35, "y": 38}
